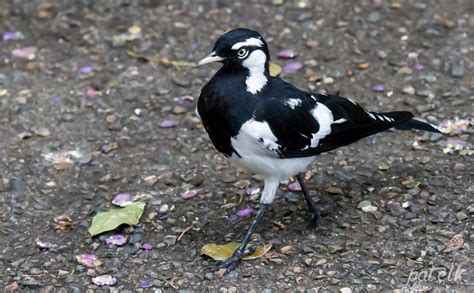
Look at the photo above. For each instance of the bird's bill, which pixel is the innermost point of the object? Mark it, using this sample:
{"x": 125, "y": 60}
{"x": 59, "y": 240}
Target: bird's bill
{"x": 210, "y": 59}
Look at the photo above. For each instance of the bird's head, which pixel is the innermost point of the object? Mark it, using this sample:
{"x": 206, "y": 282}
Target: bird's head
{"x": 239, "y": 48}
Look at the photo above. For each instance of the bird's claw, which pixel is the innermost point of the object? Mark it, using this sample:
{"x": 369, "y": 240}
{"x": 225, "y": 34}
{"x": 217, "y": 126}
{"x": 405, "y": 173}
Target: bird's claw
{"x": 231, "y": 263}
{"x": 313, "y": 219}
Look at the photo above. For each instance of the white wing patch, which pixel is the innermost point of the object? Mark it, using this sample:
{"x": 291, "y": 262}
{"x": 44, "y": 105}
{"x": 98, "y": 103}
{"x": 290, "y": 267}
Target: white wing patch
{"x": 371, "y": 115}
{"x": 352, "y": 101}
{"x": 255, "y": 137}
{"x": 248, "y": 42}
{"x": 376, "y": 116}
{"x": 323, "y": 115}
{"x": 292, "y": 103}
{"x": 340, "y": 120}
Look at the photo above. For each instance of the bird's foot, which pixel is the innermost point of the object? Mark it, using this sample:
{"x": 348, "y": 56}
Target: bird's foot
{"x": 231, "y": 263}
{"x": 317, "y": 211}
{"x": 313, "y": 218}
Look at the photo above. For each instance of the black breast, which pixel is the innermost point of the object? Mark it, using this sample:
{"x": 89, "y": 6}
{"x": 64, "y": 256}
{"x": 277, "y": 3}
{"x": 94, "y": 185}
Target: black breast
{"x": 224, "y": 105}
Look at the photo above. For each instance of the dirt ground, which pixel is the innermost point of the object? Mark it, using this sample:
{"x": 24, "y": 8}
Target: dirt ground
{"x": 90, "y": 114}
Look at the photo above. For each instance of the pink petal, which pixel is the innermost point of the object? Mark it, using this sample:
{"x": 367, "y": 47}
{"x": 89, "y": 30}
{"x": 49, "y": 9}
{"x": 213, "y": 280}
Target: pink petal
{"x": 286, "y": 54}
{"x": 86, "y": 70}
{"x": 107, "y": 280}
{"x": 189, "y": 194}
{"x": 167, "y": 123}
{"x": 294, "y": 186}
{"x": 147, "y": 246}
{"x": 122, "y": 198}
{"x": 247, "y": 212}
{"x": 25, "y": 52}
{"x": 378, "y": 88}
{"x": 118, "y": 240}
{"x": 91, "y": 93}
{"x": 89, "y": 260}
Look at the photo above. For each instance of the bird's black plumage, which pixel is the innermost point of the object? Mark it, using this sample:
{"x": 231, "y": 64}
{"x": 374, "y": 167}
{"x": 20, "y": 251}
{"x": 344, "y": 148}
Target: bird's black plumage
{"x": 272, "y": 128}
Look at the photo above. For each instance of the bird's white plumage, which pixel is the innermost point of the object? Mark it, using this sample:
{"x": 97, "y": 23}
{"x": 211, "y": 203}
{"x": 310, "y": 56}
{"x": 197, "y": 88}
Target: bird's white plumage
{"x": 256, "y": 145}
{"x": 248, "y": 42}
{"x": 324, "y": 117}
{"x": 256, "y": 79}
{"x": 340, "y": 120}
{"x": 292, "y": 103}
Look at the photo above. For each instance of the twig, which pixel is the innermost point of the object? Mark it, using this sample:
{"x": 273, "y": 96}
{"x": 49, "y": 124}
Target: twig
{"x": 185, "y": 230}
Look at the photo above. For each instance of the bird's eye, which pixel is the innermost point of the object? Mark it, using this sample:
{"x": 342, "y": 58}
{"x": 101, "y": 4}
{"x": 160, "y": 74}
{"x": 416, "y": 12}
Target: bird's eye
{"x": 242, "y": 53}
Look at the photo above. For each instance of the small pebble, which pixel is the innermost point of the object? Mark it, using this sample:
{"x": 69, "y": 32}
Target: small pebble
{"x": 409, "y": 90}
{"x": 457, "y": 68}
{"x": 461, "y": 215}
{"x": 373, "y": 16}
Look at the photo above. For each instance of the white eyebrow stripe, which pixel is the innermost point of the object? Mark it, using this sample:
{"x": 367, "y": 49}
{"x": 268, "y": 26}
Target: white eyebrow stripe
{"x": 248, "y": 42}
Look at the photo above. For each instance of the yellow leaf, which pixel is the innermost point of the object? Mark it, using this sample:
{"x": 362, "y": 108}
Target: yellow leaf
{"x": 275, "y": 69}
{"x": 223, "y": 252}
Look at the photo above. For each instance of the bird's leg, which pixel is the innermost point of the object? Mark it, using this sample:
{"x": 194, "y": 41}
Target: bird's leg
{"x": 314, "y": 216}
{"x": 242, "y": 250}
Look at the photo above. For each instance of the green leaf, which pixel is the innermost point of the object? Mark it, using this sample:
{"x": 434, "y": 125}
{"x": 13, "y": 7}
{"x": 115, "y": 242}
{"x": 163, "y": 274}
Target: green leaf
{"x": 107, "y": 221}
{"x": 222, "y": 252}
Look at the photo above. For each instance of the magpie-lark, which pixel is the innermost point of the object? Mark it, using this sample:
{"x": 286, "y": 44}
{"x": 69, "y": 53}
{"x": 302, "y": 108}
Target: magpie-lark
{"x": 271, "y": 128}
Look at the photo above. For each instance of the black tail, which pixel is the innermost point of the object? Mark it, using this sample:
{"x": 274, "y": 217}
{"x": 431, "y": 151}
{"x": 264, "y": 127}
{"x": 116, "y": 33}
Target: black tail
{"x": 417, "y": 124}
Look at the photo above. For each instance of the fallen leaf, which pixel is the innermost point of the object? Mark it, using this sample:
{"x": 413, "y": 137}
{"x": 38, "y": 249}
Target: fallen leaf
{"x": 107, "y": 221}
{"x": 223, "y": 252}
{"x": 455, "y": 243}
{"x": 275, "y": 69}
{"x": 363, "y": 66}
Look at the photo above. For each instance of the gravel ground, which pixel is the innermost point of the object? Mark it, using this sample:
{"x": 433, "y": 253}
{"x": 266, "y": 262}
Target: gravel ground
{"x": 89, "y": 115}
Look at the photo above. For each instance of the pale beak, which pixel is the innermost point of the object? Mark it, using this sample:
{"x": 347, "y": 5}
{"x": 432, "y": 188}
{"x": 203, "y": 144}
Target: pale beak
{"x": 209, "y": 59}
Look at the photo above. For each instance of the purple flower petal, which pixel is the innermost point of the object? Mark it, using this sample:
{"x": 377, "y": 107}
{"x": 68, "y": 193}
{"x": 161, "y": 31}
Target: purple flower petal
{"x": 144, "y": 284}
{"x": 118, "y": 240}
{"x": 107, "y": 280}
{"x": 122, "y": 199}
{"x": 146, "y": 246}
{"x": 293, "y": 67}
{"x": 252, "y": 191}
{"x": 189, "y": 194}
{"x": 378, "y": 88}
{"x": 44, "y": 244}
{"x": 233, "y": 218}
{"x": 294, "y": 186}
{"x": 419, "y": 67}
{"x": 247, "y": 212}
{"x": 167, "y": 123}
{"x": 86, "y": 70}
{"x": 286, "y": 54}
{"x": 9, "y": 36}
{"x": 15, "y": 204}
{"x": 89, "y": 260}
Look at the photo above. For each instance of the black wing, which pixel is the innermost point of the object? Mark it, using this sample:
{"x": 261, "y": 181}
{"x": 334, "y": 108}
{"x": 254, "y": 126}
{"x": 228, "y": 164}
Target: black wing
{"x": 320, "y": 122}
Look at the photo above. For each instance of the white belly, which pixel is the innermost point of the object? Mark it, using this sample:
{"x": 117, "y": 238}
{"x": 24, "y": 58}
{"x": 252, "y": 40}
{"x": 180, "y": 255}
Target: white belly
{"x": 272, "y": 167}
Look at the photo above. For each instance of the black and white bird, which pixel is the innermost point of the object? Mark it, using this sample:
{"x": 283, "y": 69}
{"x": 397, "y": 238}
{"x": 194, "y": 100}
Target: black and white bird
{"x": 271, "y": 128}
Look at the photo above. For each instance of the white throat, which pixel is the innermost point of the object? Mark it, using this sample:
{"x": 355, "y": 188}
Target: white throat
{"x": 256, "y": 79}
